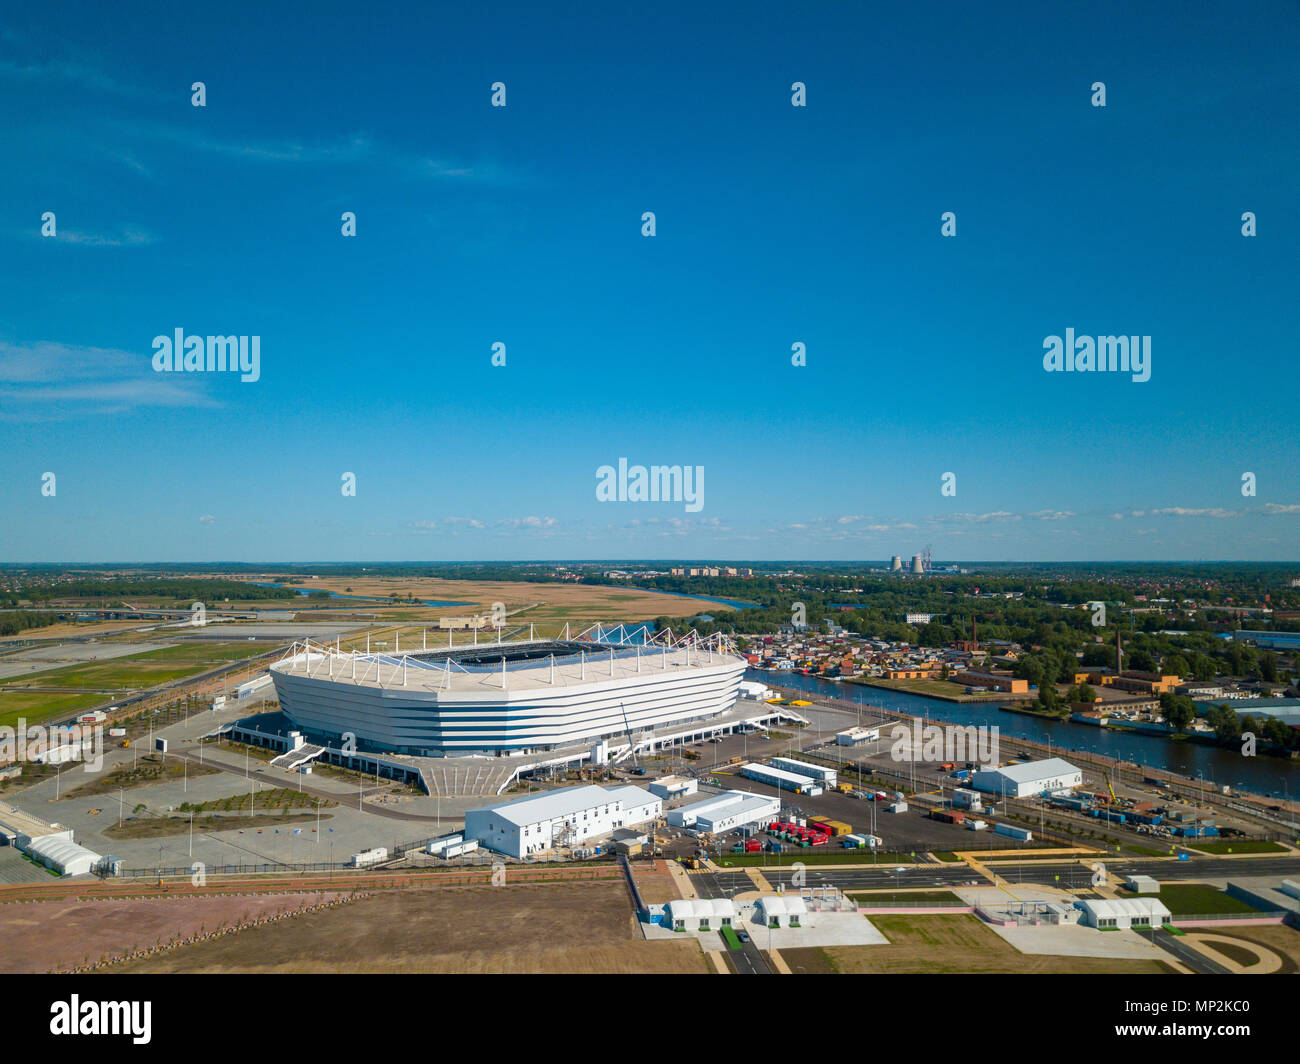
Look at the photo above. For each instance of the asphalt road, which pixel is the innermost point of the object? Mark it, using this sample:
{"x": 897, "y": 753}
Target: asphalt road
{"x": 749, "y": 959}
{"x": 1071, "y": 873}
{"x": 1197, "y": 962}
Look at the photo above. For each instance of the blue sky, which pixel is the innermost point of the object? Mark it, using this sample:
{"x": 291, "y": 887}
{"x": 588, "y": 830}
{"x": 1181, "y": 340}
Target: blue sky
{"x": 775, "y": 225}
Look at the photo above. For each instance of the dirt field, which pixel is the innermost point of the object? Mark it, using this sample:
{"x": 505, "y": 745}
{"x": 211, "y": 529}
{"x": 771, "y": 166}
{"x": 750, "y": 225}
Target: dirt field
{"x": 549, "y": 602}
{"x": 961, "y": 944}
{"x": 45, "y": 936}
{"x": 553, "y": 928}
{"x": 655, "y": 883}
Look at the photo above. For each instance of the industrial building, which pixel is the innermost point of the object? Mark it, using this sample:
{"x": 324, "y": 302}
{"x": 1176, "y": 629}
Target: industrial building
{"x": 1121, "y": 913}
{"x": 827, "y": 775}
{"x": 1049, "y": 776}
{"x": 506, "y": 699}
{"x": 781, "y": 779}
{"x": 568, "y": 817}
{"x": 725, "y": 812}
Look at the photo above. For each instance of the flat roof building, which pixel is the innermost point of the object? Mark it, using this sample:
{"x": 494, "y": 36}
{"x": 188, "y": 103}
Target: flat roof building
{"x": 780, "y": 778}
{"x": 857, "y": 736}
{"x": 725, "y": 812}
{"x": 803, "y": 768}
{"x": 667, "y": 787}
{"x": 568, "y": 817}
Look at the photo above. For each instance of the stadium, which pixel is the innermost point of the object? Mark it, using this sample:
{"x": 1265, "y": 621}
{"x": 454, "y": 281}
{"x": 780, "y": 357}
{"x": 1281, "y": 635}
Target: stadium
{"x": 508, "y": 699}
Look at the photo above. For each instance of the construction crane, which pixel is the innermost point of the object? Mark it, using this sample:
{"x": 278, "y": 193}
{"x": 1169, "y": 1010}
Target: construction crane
{"x": 1113, "y": 798}
{"x": 631, "y": 743}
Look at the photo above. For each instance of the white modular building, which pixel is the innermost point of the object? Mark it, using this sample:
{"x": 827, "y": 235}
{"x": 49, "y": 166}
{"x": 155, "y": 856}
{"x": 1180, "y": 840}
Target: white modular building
{"x": 826, "y": 776}
{"x": 779, "y": 910}
{"x": 779, "y": 777}
{"x": 59, "y": 853}
{"x": 726, "y": 812}
{"x": 1049, "y": 776}
{"x": 1106, "y": 913}
{"x": 568, "y": 817}
{"x": 699, "y": 914}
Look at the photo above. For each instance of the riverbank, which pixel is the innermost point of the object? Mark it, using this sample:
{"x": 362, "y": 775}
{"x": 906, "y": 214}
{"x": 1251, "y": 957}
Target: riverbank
{"x": 940, "y": 689}
{"x": 1111, "y": 749}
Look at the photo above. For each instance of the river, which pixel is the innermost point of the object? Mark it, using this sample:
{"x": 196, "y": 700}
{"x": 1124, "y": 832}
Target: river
{"x": 1272, "y": 776}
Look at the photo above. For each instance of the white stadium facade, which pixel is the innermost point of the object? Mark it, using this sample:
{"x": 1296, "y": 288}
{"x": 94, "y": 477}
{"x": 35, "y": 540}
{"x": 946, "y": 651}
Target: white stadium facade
{"x": 509, "y": 699}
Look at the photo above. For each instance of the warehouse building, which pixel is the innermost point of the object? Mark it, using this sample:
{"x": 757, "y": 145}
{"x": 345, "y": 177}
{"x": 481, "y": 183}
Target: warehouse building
{"x": 827, "y": 775}
{"x": 780, "y": 778}
{"x": 568, "y": 817}
{"x": 1121, "y": 913}
{"x": 1049, "y": 776}
{"x": 725, "y": 812}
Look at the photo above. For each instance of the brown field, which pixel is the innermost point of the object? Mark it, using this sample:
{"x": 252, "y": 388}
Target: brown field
{"x": 655, "y": 882}
{"x": 549, "y": 602}
{"x": 43, "y": 936}
{"x": 961, "y": 944}
{"x": 552, "y": 928}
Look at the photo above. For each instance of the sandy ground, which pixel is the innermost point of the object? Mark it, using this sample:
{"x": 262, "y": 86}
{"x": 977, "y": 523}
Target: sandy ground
{"x": 44, "y": 936}
{"x": 556, "y": 928}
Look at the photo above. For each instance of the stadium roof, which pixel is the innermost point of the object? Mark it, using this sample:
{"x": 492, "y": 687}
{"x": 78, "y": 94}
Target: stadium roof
{"x": 528, "y": 666}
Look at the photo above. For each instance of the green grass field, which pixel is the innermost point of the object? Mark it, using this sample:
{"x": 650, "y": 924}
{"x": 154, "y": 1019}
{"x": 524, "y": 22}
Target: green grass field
{"x": 138, "y": 671}
{"x": 38, "y": 707}
{"x": 1240, "y": 846}
{"x": 1183, "y": 899}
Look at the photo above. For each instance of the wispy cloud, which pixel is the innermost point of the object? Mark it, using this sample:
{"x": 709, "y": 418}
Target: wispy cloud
{"x": 46, "y": 380}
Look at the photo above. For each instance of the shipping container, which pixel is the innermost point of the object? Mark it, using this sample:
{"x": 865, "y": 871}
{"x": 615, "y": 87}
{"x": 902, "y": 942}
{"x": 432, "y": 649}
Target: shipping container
{"x": 1013, "y": 832}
